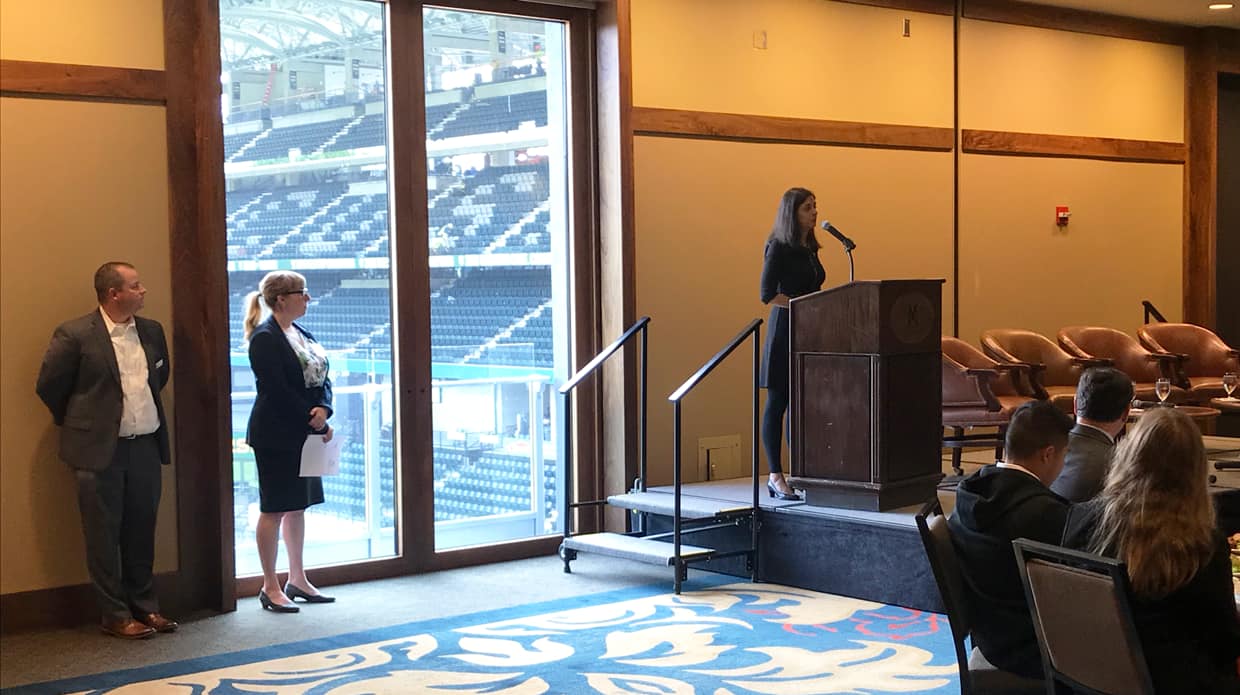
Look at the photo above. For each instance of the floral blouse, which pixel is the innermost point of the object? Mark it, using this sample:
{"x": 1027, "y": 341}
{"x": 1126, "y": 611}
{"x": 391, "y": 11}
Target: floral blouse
{"x": 310, "y": 354}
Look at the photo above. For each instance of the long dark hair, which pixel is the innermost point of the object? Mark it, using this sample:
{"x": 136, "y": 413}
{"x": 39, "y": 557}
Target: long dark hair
{"x": 785, "y": 229}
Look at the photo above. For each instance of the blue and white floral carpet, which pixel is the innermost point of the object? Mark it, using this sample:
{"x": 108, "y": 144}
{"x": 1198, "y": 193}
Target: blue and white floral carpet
{"x": 725, "y": 639}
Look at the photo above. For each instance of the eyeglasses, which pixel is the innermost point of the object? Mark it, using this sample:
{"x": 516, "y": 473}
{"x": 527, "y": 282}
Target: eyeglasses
{"x": 304, "y": 290}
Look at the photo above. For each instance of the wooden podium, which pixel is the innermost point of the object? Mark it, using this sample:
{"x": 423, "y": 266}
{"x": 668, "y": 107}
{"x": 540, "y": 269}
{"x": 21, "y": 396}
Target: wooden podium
{"x": 865, "y": 384}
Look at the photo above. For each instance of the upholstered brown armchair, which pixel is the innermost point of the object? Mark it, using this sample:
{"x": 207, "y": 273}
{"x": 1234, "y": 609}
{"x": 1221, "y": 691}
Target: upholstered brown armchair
{"x": 1053, "y": 371}
{"x": 978, "y": 392}
{"x": 1206, "y": 356}
{"x": 1127, "y": 355}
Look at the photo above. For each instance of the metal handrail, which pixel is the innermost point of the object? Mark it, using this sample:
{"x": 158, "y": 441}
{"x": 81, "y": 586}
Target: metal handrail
{"x": 566, "y": 403}
{"x": 1151, "y": 310}
{"x": 754, "y": 329}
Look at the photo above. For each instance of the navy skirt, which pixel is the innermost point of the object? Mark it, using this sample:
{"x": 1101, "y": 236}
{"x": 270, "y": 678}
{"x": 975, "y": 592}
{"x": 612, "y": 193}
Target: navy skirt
{"x": 280, "y": 485}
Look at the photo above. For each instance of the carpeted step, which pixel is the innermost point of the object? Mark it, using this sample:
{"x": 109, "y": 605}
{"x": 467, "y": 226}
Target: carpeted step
{"x": 633, "y": 548}
{"x": 690, "y": 507}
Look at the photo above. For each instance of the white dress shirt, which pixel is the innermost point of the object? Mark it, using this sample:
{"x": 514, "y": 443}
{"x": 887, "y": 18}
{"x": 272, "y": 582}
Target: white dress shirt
{"x": 138, "y": 414}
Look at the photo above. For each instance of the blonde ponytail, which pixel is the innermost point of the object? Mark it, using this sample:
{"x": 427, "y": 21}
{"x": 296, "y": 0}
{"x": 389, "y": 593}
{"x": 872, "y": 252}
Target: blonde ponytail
{"x": 253, "y": 312}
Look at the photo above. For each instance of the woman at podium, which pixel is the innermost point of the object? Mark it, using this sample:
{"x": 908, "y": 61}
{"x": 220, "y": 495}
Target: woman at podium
{"x": 790, "y": 268}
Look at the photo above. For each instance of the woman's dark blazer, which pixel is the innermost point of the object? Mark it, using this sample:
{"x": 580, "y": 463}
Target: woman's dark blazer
{"x": 281, "y": 415}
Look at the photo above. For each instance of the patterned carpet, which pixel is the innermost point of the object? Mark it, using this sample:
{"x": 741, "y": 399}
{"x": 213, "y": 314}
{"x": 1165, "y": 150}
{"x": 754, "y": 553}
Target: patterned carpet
{"x": 725, "y": 639}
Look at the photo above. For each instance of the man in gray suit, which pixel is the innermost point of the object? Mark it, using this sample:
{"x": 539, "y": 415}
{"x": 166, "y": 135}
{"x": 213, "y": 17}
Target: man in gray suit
{"x": 101, "y": 378}
{"x": 1103, "y": 398}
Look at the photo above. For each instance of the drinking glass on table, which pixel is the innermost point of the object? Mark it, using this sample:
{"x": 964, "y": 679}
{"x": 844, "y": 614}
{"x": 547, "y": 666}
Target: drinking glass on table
{"x": 1162, "y": 389}
{"x": 1229, "y": 383}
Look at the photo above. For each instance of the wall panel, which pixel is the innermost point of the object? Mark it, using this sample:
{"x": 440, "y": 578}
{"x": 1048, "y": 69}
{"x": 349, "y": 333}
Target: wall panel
{"x": 704, "y": 210}
{"x": 1019, "y": 270}
{"x": 823, "y": 60}
{"x": 117, "y": 33}
{"x": 83, "y": 183}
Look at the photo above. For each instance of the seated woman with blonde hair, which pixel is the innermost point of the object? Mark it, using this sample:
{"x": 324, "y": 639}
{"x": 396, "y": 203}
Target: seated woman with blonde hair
{"x": 1155, "y": 515}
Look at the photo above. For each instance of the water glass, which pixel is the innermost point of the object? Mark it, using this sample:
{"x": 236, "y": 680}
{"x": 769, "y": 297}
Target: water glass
{"x": 1162, "y": 388}
{"x": 1229, "y": 383}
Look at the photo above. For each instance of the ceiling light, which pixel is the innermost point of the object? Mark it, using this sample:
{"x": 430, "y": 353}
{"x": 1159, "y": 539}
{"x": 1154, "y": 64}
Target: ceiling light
{"x": 1221, "y": 5}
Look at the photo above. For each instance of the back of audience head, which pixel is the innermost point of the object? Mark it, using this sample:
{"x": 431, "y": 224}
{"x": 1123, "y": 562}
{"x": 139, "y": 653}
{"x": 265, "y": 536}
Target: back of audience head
{"x": 1156, "y": 514}
{"x": 1037, "y": 439}
{"x": 1104, "y": 394}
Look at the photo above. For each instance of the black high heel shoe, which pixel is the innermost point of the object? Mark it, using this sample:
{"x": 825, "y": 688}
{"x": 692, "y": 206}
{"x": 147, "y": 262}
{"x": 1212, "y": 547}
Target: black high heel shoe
{"x": 274, "y": 607}
{"x": 776, "y": 493}
{"x": 295, "y": 592}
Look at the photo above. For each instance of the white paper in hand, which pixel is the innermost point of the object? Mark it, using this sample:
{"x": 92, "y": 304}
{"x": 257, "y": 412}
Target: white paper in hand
{"x": 319, "y": 458}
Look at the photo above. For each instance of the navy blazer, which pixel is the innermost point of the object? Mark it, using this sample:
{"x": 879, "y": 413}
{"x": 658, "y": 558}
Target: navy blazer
{"x": 80, "y": 383}
{"x": 281, "y": 415}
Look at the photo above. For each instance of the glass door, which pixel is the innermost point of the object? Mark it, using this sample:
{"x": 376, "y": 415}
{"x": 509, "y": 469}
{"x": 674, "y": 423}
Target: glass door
{"x": 497, "y": 141}
{"x": 306, "y": 167}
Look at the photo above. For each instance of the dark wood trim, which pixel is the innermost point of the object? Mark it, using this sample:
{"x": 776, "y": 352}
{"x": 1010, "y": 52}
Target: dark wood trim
{"x": 1200, "y": 177}
{"x": 411, "y": 282}
{"x": 202, "y": 381}
{"x": 1081, "y": 21}
{"x": 67, "y": 80}
{"x": 366, "y": 570}
{"x": 941, "y": 7}
{"x": 1074, "y": 146}
{"x": 755, "y": 128}
{"x": 1228, "y": 43}
{"x": 587, "y": 297}
{"x": 71, "y": 606}
{"x": 502, "y": 552}
{"x": 620, "y": 441}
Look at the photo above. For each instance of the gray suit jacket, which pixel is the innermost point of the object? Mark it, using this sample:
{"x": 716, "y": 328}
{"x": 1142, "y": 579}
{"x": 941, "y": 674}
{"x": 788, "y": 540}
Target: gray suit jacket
{"x": 1085, "y": 467}
{"x": 81, "y": 384}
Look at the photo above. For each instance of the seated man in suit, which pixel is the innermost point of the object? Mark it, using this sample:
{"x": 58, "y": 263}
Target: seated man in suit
{"x": 1103, "y": 398}
{"x": 996, "y": 505}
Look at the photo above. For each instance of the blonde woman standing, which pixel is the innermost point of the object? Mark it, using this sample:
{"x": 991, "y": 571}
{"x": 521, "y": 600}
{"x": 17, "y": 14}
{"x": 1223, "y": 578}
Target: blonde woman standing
{"x": 1155, "y": 514}
{"x": 294, "y": 401}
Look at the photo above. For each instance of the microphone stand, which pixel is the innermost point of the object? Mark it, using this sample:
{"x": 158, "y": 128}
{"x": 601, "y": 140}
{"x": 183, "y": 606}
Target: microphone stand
{"x": 850, "y": 264}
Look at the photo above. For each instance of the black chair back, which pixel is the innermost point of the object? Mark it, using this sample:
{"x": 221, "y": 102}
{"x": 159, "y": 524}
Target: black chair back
{"x": 977, "y": 676}
{"x": 1083, "y": 618}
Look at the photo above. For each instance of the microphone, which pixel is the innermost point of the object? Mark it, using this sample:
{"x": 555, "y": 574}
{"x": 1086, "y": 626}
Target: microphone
{"x": 830, "y": 229}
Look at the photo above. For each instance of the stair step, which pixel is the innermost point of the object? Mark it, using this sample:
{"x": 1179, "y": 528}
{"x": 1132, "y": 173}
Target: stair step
{"x": 690, "y": 507}
{"x": 633, "y": 548}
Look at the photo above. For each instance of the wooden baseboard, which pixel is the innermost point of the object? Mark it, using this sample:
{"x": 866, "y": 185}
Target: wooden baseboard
{"x": 65, "y": 80}
{"x": 71, "y": 606}
{"x": 1071, "y": 146}
{"x": 756, "y": 128}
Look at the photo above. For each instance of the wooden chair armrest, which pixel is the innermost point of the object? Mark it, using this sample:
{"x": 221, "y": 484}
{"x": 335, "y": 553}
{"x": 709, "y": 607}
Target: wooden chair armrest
{"x": 963, "y": 386}
{"x": 1087, "y": 362}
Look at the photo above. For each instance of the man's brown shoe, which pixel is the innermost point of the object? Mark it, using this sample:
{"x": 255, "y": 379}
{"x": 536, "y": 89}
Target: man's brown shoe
{"x": 157, "y": 622}
{"x": 128, "y": 629}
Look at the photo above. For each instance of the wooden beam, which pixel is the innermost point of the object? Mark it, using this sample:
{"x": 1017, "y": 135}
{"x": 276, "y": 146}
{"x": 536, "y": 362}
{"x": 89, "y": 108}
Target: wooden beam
{"x": 940, "y": 7}
{"x": 755, "y": 128}
{"x": 1039, "y": 145}
{"x": 617, "y": 275}
{"x": 29, "y": 78}
{"x": 1082, "y": 21}
{"x": 202, "y": 429}
{"x": 1201, "y": 178}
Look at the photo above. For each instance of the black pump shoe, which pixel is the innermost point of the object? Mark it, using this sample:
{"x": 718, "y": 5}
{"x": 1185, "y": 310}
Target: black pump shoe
{"x": 775, "y": 492}
{"x": 294, "y": 592}
{"x": 274, "y": 607}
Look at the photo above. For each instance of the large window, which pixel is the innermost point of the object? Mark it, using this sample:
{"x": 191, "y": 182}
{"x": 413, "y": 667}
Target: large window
{"x": 305, "y": 161}
{"x": 307, "y": 123}
{"x": 497, "y": 171}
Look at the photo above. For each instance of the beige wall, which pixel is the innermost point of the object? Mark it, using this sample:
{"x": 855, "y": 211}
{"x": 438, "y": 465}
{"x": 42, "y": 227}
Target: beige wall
{"x": 704, "y": 210}
{"x": 1124, "y": 241}
{"x": 823, "y": 60}
{"x": 82, "y": 183}
{"x": 117, "y": 33}
{"x": 703, "y": 207}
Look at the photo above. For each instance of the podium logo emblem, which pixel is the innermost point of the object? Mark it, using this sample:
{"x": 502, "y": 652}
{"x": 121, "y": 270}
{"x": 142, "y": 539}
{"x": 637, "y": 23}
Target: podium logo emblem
{"x": 912, "y": 318}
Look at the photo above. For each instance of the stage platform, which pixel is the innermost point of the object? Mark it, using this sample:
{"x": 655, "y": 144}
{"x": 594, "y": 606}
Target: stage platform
{"x": 875, "y": 556}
